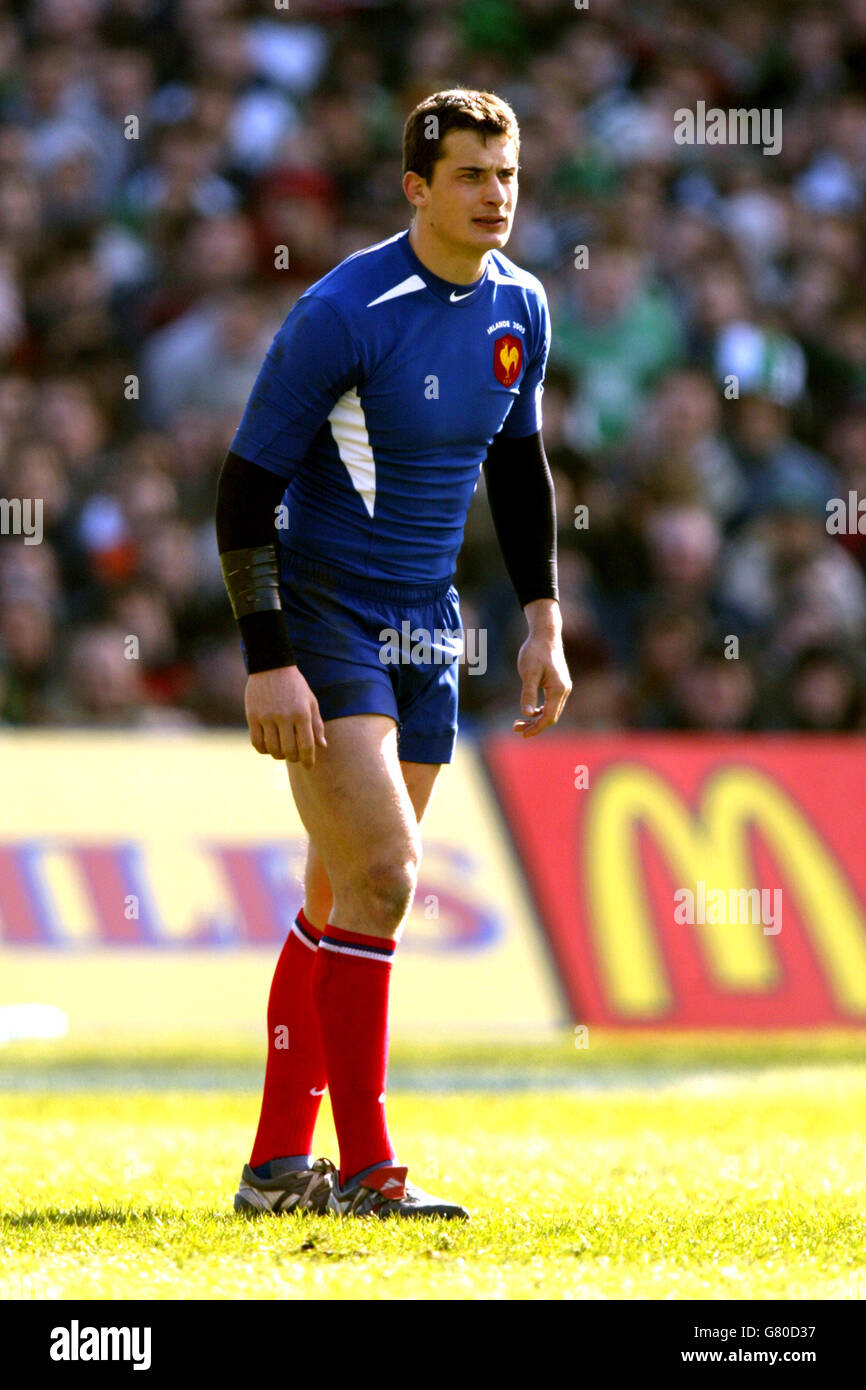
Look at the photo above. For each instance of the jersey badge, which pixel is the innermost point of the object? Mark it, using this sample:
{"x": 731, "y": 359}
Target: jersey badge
{"x": 507, "y": 358}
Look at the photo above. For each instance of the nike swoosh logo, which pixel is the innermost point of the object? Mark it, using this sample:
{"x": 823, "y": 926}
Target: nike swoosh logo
{"x": 454, "y": 297}
{"x": 314, "y": 1092}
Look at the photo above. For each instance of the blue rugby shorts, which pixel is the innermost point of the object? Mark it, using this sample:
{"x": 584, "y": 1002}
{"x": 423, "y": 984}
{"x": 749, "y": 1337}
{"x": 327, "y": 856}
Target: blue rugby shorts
{"x": 354, "y": 643}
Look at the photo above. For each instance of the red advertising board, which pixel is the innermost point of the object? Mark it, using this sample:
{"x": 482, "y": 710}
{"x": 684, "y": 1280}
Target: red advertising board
{"x": 692, "y": 881}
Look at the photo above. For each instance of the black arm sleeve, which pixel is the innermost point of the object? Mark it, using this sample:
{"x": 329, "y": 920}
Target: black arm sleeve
{"x": 522, "y": 505}
{"x": 247, "y": 498}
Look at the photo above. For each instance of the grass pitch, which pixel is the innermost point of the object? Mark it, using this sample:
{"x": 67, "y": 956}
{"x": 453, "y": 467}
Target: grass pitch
{"x": 644, "y": 1168}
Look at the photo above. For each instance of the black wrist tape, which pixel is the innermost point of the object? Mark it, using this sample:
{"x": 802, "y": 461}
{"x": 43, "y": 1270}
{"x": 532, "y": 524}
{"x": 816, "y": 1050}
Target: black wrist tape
{"x": 252, "y": 580}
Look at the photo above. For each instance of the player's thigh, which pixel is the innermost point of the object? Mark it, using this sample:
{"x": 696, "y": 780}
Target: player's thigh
{"x": 420, "y": 779}
{"x": 354, "y": 801}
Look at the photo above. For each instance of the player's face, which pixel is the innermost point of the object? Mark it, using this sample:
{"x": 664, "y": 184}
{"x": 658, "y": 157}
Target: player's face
{"x": 472, "y": 192}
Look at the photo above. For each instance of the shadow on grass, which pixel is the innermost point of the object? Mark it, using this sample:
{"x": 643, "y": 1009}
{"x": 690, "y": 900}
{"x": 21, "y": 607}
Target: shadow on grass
{"x": 156, "y": 1219}
{"x": 114, "y": 1215}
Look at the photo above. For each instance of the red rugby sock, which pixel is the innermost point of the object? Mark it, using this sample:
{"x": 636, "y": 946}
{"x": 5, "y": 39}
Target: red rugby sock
{"x": 295, "y": 1075}
{"x": 351, "y": 979}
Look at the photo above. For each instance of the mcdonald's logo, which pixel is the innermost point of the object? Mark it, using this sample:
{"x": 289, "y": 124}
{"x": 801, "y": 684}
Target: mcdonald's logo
{"x": 662, "y": 821}
{"x": 712, "y": 846}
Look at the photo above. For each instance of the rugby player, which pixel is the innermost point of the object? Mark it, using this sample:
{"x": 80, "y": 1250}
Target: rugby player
{"x": 392, "y": 382}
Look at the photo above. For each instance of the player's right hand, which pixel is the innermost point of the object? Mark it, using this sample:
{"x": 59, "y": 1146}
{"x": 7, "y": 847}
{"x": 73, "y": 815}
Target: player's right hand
{"x": 283, "y": 715}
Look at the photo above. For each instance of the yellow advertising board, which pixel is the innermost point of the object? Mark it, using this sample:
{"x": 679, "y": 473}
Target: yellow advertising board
{"x": 148, "y": 880}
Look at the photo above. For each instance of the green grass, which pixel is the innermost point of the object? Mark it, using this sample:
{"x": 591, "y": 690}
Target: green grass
{"x": 689, "y": 1168}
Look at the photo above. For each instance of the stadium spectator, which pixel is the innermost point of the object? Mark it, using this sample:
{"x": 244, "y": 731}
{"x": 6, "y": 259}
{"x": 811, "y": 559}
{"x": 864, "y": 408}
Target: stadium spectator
{"x": 140, "y": 283}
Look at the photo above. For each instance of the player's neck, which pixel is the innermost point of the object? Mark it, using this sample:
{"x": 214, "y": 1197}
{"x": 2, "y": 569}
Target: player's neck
{"x": 443, "y": 260}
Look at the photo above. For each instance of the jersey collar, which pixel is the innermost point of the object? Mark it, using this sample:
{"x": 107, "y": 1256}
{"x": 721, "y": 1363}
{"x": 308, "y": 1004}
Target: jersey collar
{"x": 444, "y": 289}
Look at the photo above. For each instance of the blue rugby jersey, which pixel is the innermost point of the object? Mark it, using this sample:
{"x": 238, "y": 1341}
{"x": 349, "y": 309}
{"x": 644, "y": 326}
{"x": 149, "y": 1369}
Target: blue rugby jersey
{"x": 379, "y": 397}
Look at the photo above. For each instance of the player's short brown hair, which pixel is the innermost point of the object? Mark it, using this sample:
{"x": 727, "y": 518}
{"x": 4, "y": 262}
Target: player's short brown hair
{"x": 457, "y": 109}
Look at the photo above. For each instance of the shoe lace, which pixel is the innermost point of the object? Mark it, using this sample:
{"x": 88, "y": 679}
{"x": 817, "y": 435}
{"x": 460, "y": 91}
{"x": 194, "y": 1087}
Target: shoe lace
{"x": 320, "y": 1169}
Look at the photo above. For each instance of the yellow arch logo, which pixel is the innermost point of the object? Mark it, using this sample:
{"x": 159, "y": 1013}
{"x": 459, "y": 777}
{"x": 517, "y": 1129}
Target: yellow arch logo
{"x": 711, "y": 846}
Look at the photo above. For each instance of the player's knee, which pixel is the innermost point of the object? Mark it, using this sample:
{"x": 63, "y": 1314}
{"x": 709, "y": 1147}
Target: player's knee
{"x": 387, "y": 890}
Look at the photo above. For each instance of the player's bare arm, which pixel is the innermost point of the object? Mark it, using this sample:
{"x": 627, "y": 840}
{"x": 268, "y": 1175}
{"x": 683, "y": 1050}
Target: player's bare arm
{"x": 283, "y": 715}
{"x": 541, "y": 666}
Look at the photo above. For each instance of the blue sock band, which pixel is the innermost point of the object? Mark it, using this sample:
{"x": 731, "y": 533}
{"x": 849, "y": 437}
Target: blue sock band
{"x": 275, "y": 1167}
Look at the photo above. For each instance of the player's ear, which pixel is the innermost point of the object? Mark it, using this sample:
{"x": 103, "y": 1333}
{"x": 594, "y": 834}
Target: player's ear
{"x": 415, "y": 188}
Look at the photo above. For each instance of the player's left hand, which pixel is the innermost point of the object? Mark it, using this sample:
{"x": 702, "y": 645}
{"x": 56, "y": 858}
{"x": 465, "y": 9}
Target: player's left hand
{"x": 541, "y": 663}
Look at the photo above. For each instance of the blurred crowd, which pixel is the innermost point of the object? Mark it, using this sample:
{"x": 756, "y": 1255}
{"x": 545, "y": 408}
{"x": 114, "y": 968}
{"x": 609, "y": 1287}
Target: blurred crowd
{"x": 706, "y": 394}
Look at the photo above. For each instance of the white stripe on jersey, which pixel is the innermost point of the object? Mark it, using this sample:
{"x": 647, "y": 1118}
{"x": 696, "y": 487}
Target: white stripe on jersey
{"x": 365, "y": 250}
{"x": 349, "y": 428}
{"x": 405, "y": 287}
